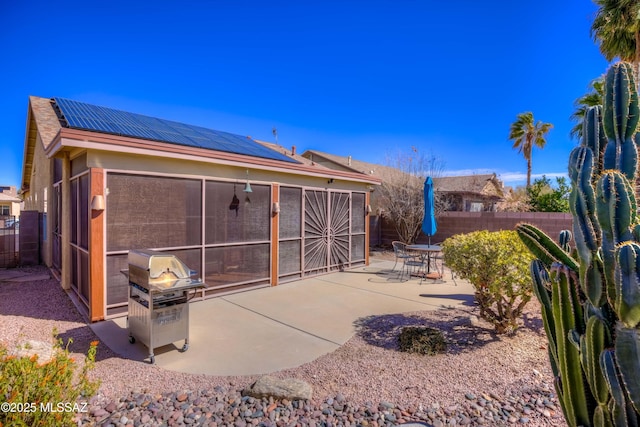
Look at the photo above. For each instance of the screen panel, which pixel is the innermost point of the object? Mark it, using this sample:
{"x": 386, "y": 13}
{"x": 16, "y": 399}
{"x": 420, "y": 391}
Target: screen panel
{"x": 152, "y": 212}
{"x": 233, "y": 216}
{"x": 236, "y": 264}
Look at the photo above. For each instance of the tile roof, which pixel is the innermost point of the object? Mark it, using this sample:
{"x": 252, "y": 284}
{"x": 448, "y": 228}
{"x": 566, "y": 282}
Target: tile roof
{"x": 46, "y": 119}
{"x": 485, "y": 184}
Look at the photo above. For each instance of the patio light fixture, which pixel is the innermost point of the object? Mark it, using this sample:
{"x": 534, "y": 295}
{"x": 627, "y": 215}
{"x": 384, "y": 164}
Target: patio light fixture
{"x": 275, "y": 208}
{"x": 97, "y": 203}
{"x": 247, "y": 187}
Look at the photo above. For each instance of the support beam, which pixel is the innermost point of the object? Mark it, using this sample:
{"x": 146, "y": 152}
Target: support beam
{"x": 65, "y": 224}
{"x": 367, "y": 232}
{"x": 97, "y": 257}
{"x": 275, "y": 234}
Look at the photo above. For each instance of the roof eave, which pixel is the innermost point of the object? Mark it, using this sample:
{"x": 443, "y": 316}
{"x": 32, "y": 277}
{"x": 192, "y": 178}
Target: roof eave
{"x": 74, "y": 138}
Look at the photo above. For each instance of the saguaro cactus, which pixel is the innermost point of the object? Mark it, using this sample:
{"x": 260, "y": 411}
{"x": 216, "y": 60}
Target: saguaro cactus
{"x": 591, "y": 298}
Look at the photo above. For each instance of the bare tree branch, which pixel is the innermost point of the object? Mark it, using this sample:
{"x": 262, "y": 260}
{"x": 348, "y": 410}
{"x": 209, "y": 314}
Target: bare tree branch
{"x": 402, "y": 191}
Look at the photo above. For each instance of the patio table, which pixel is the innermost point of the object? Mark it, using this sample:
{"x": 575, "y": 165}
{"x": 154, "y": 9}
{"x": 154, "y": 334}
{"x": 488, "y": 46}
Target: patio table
{"x": 425, "y": 251}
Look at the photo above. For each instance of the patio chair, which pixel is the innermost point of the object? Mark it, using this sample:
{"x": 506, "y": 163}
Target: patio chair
{"x": 416, "y": 266}
{"x": 438, "y": 264}
{"x": 400, "y": 251}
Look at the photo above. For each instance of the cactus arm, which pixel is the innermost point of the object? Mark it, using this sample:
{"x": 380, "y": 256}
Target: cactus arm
{"x": 585, "y": 225}
{"x": 620, "y": 120}
{"x": 602, "y": 417}
{"x": 622, "y": 412}
{"x": 543, "y": 247}
{"x": 564, "y": 240}
{"x": 592, "y": 344}
{"x": 614, "y": 208}
{"x": 593, "y": 137}
{"x": 627, "y": 355}
{"x": 541, "y": 287}
{"x": 620, "y": 102}
{"x": 627, "y": 285}
{"x": 568, "y": 315}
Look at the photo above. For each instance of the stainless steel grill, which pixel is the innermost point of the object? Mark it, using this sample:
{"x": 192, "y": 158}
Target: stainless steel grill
{"x": 160, "y": 288}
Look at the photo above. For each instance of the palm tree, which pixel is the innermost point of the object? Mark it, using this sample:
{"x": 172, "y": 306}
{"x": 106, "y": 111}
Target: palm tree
{"x": 592, "y": 98}
{"x": 616, "y": 28}
{"x": 525, "y": 133}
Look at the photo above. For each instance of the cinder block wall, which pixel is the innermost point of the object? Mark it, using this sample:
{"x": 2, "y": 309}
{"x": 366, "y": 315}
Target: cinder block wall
{"x": 383, "y": 232}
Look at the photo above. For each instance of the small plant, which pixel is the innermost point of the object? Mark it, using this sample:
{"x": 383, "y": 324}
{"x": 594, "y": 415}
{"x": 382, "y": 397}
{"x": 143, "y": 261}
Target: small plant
{"x": 497, "y": 265}
{"x": 415, "y": 339}
{"x": 44, "y": 394}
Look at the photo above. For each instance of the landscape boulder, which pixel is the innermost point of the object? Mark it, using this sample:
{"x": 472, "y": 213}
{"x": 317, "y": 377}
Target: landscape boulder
{"x": 44, "y": 350}
{"x": 287, "y": 388}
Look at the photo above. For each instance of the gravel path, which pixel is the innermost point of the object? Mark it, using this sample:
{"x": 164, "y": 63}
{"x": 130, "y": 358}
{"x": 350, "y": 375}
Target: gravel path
{"x": 482, "y": 379}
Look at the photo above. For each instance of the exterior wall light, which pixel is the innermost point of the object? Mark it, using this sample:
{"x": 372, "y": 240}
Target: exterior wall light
{"x": 97, "y": 203}
{"x": 275, "y": 208}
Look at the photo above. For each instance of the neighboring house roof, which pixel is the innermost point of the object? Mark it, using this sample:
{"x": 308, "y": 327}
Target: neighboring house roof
{"x": 68, "y": 125}
{"x": 8, "y": 198}
{"x": 487, "y": 185}
{"x": 348, "y": 163}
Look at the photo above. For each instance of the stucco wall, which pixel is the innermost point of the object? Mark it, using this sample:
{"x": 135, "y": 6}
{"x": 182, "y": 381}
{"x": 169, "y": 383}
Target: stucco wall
{"x": 138, "y": 163}
{"x": 383, "y": 232}
{"x": 39, "y": 194}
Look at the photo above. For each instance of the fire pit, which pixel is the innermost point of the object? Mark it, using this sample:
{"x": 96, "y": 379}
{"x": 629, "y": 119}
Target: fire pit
{"x": 160, "y": 288}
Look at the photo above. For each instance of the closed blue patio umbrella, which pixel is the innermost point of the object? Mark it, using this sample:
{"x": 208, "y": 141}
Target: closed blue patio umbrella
{"x": 429, "y": 225}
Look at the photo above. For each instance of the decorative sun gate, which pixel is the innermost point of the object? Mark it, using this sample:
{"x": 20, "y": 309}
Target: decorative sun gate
{"x": 326, "y": 231}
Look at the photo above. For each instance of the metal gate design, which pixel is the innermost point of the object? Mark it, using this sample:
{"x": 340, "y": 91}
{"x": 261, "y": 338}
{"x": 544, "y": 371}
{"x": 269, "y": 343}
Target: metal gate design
{"x": 326, "y": 231}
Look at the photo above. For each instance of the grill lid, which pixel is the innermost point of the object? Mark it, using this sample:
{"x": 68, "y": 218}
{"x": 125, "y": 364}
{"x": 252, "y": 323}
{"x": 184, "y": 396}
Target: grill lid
{"x": 160, "y": 266}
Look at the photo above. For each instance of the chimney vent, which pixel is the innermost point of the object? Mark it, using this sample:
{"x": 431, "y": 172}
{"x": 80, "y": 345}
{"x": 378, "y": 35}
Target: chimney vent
{"x": 293, "y": 150}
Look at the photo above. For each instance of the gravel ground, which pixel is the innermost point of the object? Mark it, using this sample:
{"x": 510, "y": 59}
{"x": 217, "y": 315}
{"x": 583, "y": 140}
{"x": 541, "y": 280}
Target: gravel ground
{"x": 482, "y": 379}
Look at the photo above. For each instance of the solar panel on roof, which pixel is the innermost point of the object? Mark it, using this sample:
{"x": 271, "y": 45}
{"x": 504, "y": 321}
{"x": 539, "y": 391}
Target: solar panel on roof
{"x": 80, "y": 115}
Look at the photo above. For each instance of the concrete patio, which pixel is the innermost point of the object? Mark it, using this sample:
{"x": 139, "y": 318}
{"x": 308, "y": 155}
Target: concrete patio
{"x": 271, "y": 329}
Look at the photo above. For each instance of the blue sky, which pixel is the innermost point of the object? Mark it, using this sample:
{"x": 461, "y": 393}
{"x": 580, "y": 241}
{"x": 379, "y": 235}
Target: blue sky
{"x": 359, "y": 78}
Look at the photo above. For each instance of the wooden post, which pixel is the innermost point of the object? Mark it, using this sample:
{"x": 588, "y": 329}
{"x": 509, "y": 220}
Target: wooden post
{"x": 96, "y": 249}
{"x": 275, "y": 234}
{"x": 66, "y": 263}
{"x": 367, "y": 231}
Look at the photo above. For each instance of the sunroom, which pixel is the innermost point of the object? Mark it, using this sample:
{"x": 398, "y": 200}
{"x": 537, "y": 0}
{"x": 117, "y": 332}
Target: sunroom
{"x": 237, "y": 211}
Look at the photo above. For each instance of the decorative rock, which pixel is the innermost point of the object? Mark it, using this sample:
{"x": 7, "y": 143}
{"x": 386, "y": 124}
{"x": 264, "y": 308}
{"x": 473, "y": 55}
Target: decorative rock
{"x": 288, "y": 388}
{"x": 230, "y": 408}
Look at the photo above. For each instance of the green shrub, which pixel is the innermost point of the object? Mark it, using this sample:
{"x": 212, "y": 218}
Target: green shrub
{"x": 414, "y": 339}
{"x": 497, "y": 265}
{"x": 44, "y": 394}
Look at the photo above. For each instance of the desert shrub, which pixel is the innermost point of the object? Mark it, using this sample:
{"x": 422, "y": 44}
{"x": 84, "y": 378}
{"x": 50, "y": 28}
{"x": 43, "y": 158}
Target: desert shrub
{"x": 414, "y": 339}
{"x": 497, "y": 265}
{"x": 44, "y": 394}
